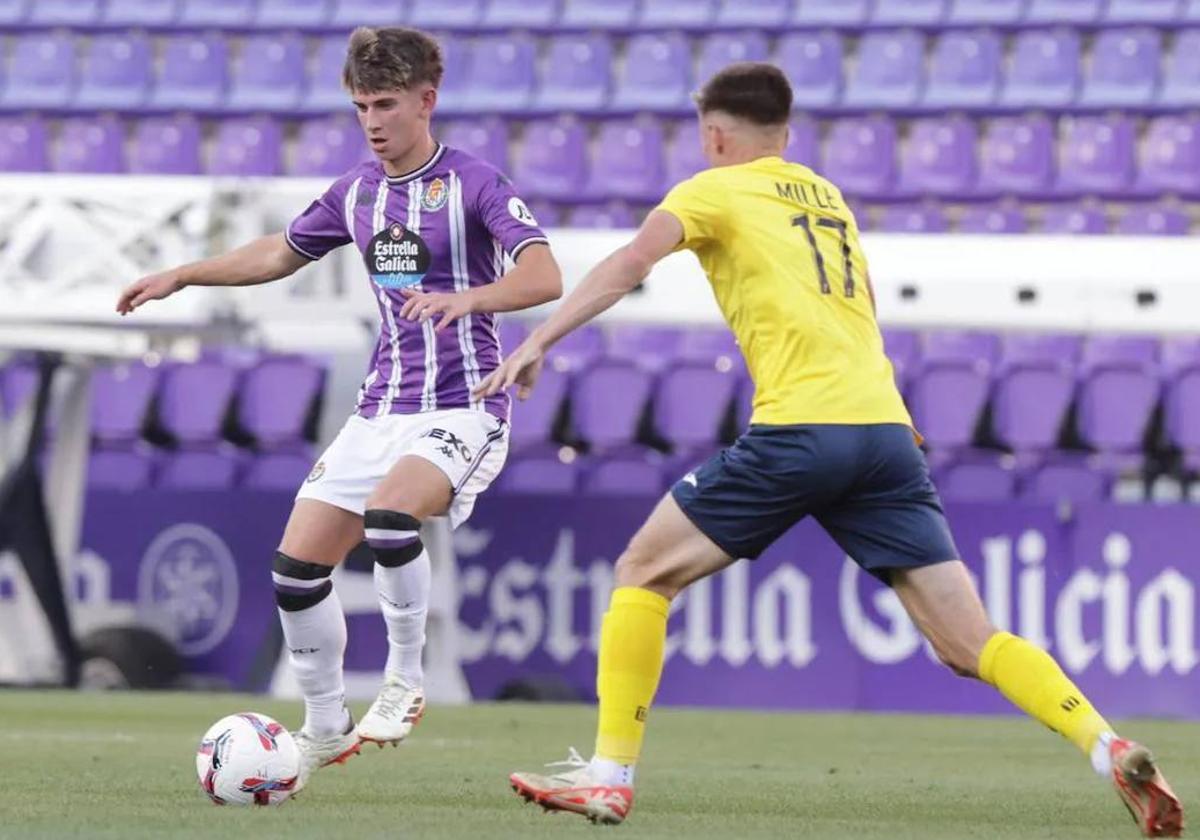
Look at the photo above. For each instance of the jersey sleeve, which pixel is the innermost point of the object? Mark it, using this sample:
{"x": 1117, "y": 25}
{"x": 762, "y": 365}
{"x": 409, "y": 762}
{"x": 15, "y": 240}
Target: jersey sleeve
{"x": 321, "y": 227}
{"x": 698, "y": 207}
{"x": 506, "y": 217}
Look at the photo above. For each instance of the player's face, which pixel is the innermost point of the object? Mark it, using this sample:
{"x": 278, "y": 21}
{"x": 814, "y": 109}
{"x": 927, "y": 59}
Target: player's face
{"x": 394, "y": 121}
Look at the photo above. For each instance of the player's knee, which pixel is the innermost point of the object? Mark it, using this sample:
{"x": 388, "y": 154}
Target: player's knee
{"x": 299, "y": 584}
{"x": 394, "y": 536}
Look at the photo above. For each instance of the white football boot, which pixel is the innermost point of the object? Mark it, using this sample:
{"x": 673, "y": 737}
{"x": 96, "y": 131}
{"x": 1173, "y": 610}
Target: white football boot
{"x": 398, "y": 708}
{"x": 321, "y": 751}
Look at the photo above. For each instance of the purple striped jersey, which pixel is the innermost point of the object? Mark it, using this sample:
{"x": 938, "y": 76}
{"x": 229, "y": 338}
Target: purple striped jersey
{"x": 444, "y": 227}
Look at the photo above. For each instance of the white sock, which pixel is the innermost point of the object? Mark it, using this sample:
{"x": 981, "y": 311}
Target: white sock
{"x": 1101, "y": 760}
{"x": 316, "y": 641}
{"x": 404, "y": 601}
{"x": 609, "y": 772}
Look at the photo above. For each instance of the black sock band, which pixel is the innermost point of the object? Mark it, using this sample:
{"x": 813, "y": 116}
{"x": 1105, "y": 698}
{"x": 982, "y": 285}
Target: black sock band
{"x": 394, "y": 537}
{"x": 299, "y": 585}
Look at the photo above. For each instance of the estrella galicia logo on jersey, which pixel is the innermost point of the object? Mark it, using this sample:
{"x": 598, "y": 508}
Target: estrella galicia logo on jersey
{"x": 434, "y": 196}
{"x": 397, "y": 257}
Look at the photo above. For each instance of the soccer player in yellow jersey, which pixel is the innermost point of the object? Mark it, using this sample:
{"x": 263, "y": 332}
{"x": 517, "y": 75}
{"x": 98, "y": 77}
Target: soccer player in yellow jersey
{"x": 830, "y": 437}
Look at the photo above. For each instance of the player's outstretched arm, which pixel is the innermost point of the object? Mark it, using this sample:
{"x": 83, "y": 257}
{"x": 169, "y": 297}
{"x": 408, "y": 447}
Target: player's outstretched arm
{"x": 261, "y": 261}
{"x": 614, "y": 277}
{"x": 536, "y": 279}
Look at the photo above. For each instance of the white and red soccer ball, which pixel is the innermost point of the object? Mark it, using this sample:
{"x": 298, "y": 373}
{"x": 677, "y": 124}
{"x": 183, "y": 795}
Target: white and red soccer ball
{"x": 248, "y": 759}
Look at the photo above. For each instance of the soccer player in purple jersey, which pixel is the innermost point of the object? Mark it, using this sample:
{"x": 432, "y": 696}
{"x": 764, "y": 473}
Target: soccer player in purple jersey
{"x": 434, "y": 225}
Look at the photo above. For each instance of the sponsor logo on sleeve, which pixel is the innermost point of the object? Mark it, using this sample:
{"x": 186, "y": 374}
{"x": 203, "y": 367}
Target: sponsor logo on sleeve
{"x": 518, "y": 210}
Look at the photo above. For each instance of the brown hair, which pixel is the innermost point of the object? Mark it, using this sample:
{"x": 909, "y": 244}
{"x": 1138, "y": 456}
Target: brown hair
{"x": 750, "y": 90}
{"x": 391, "y": 58}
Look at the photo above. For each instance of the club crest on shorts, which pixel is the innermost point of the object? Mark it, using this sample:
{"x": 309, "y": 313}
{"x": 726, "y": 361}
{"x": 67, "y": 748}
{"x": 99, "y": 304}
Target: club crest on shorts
{"x": 318, "y": 470}
{"x": 434, "y": 196}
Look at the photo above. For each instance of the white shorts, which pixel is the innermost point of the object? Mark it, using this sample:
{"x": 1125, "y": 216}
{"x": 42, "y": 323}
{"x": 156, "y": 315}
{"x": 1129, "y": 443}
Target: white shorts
{"x": 468, "y": 446}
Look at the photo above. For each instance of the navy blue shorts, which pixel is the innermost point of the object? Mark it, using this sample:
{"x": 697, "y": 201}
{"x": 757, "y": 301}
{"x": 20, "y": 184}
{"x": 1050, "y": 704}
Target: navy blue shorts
{"x": 867, "y": 486}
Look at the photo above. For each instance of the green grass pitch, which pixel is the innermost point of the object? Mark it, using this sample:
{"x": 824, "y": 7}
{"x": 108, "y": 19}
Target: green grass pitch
{"x": 121, "y": 766}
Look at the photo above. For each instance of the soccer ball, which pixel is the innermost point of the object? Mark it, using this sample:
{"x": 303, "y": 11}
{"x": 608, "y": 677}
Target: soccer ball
{"x": 247, "y": 759}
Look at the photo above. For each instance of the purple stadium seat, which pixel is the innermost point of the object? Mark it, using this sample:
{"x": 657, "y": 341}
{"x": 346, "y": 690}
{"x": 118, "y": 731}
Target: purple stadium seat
{"x": 195, "y": 73}
{"x": 193, "y": 400}
{"x": 23, "y": 145}
{"x": 684, "y": 153}
{"x": 913, "y": 218}
{"x": 1170, "y": 156}
{"x": 753, "y": 13}
{"x": 226, "y": 14}
{"x": 276, "y": 471}
{"x": 575, "y": 76}
{"x": 327, "y": 146}
{"x": 651, "y": 348}
{"x": 486, "y": 139}
{"x": 715, "y": 347}
{"x": 1181, "y": 416}
{"x": 1017, "y": 157}
{"x": 628, "y": 162}
{"x": 628, "y": 475}
{"x": 578, "y": 349}
{"x": 198, "y": 471}
{"x": 519, "y": 14}
{"x": 656, "y": 74}
{"x": 121, "y": 396}
{"x": 813, "y": 64}
{"x": 598, "y": 14}
{"x": 324, "y": 91}
{"x": 964, "y": 70}
{"x": 1096, "y": 156}
{"x": 724, "y": 48}
{"x": 534, "y": 419}
{"x": 1074, "y": 219}
{"x": 903, "y": 350}
{"x": 1043, "y": 69}
{"x": 889, "y": 70}
{"x": 908, "y": 12}
{"x": 18, "y": 380}
{"x": 938, "y": 157}
{"x": 607, "y": 401}
{"x": 1142, "y": 11}
{"x": 248, "y": 146}
{"x": 455, "y": 87}
{"x": 1138, "y": 352}
{"x": 803, "y": 145}
{"x": 860, "y": 156}
{"x": 978, "y": 478}
{"x": 824, "y": 13}
{"x": 1152, "y": 220}
{"x": 1181, "y": 76}
{"x": 90, "y": 145}
{"x": 1124, "y": 68}
{"x": 992, "y": 219}
{"x": 1029, "y": 403}
{"x": 269, "y": 74}
{"x": 1064, "y": 11}
{"x": 64, "y": 12}
{"x": 1178, "y": 354}
{"x": 551, "y": 160}
{"x": 445, "y": 14}
{"x": 1018, "y": 348}
{"x": 511, "y": 331}
{"x": 140, "y": 12}
{"x": 683, "y": 420}
{"x": 676, "y": 14}
{"x": 116, "y": 72}
{"x": 985, "y": 12}
{"x": 547, "y": 214}
{"x": 502, "y": 74}
{"x": 13, "y": 11}
{"x": 946, "y": 399}
{"x": 979, "y": 350}
{"x": 41, "y": 73}
{"x": 543, "y": 471}
{"x": 611, "y": 216}
{"x": 1066, "y": 478}
{"x": 123, "y": 471}
{"x": 351, "y": 13}
{"x": 1114, "y": 408}
{"x": 292, "y": 14}
{"x": 275, "y": 399}
{"x": 165, "y": 146}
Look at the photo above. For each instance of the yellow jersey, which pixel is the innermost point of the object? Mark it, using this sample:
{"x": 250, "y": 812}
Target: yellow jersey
{"x": 780, "y": 248}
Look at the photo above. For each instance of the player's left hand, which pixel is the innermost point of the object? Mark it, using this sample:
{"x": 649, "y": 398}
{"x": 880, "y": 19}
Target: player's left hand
{"x": 522, "y": 369}
{"x": 421, "y": 306}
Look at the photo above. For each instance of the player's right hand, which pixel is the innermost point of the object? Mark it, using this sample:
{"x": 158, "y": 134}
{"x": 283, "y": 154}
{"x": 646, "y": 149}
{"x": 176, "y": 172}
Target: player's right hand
{"x": 151, "y": 287}
{"x": 522, "y": 369}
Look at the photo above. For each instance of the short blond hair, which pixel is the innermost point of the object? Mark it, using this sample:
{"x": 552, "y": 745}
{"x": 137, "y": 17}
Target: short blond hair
{"x": 391, "y": 58}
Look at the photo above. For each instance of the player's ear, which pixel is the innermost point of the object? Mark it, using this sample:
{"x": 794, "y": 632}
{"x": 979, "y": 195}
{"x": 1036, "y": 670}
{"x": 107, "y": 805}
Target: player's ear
{"x": 428, "y": 101}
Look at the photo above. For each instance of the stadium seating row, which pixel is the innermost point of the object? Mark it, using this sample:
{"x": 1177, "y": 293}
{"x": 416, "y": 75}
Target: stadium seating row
{"x": 568, "y": 14}
{"x": 985, "y": 70}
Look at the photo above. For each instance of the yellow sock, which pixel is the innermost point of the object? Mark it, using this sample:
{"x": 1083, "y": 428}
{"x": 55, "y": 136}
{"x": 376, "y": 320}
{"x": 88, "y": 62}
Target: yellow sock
{"x": 1032, "y": 680}
{"x": 631, "y": 657}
